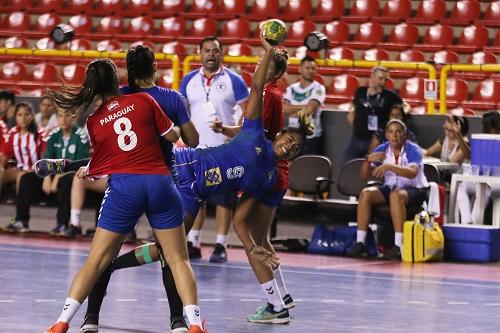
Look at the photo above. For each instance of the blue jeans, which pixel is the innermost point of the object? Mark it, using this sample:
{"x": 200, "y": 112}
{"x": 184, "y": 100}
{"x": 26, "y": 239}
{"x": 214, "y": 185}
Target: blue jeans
{"x": 356, "y": 148}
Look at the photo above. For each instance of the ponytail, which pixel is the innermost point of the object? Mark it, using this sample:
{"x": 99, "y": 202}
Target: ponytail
{"x": 140, "y": 65}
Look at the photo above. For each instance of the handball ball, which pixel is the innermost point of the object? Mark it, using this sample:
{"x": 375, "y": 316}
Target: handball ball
{"x": 274, "y": 31}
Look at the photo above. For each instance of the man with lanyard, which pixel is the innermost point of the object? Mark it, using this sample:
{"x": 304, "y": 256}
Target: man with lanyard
{"x": 213, "y": 92}
{"x": 306, "y": 95}
{"x": 372, "y": 106}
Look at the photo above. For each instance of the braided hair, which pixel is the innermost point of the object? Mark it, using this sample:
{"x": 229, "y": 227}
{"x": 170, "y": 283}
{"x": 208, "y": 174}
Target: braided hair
{"x": 100, "y": 79}
{"x": 140, "y": 65}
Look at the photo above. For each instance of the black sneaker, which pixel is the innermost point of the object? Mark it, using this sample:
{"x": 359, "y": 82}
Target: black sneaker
{"x": 57, "y": 230}
{"x": 219, "y": 255}
{"x": 90, "y": 324}
{"x": 71, "y": 231}
{"x": 90, "y": 232}
{"x": 194, "y": 252}
{"x": 358, "y": 250}
{"x": 289, "y": 302}
{"x": 393, "y": 254}
{"x": 48, "y": 167}
{"x": 177, "y": 325}
{"x": 16, "y": 226}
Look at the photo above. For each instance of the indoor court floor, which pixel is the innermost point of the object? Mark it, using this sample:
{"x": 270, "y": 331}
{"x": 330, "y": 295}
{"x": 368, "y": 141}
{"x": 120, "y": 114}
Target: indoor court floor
{"x": 333, "y": 294}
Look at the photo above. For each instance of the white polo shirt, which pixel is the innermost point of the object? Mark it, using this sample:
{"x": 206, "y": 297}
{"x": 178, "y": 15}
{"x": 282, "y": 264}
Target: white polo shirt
{"x": 297, "y": 95}
{"x": 217, "y": 97}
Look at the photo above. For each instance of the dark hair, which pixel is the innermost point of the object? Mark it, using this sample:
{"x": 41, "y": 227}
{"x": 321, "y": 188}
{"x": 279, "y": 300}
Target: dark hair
{"x": 305, "y": 128}
{"x": 100, "y": 79}
{"x": 140, "y": 64}
{"x": 32, "y": 128}
{"x": 280, "y": 60}
{"x": 8, "y": 96}
{"x": 464, "y": 124}
{"x": 210, "y": 39}
{"x": 401, "y": 109}
{"x": 397, "y": 121}
{"x": 44, "y": 97}
{"x": 307, "y": 59}
{"x": 491, "y": 121}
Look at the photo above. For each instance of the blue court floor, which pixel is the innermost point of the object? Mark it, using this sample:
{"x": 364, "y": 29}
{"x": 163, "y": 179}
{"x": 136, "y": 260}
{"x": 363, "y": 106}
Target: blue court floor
{"x": 332, "y": 294}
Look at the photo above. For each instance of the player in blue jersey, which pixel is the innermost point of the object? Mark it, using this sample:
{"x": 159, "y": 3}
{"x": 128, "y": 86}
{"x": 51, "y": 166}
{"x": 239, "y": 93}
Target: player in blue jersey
{"x": 246, "y": 163}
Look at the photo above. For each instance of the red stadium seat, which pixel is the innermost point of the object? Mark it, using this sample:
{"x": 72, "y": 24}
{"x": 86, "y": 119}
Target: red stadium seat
{"x": 464, "y": 12}
{"x": 296, "y": 9}
{"x": 45, "y": 6}
{"x": 412, "y": 91}
{"x": 165, "y": 78}
{"x": 337, "y": 32}
{"x": 486, "y": 96}
{"x": 239, "y": 49}
{"x": 44, "y": 73}
{"x": 429, "y": 12}
{"x": 200, "y": 8}
{"x": 457, "y": 91}
{"x": 437, "y": 37}
{"x": 15, "y": 42}
{"x": 174, "y": 48}
{"x": 402, "y": 36}
{"x": 375, "y": 55}
{"x": 445, "y": 57}
{"x": 109, "y": 27}
{"x": 495, "y": 48}
{"x": 168, "y": 8}
{"x": 81, "y": 23}
{"x": 231, "y": 9}
{"x": 363, "y": 10}
{"x": 138, "y": 27}
{"x": 367, "y": 35}
{"x": 170, "y": 28}
{"x": 481, "y": 58}
{"x": 341, "y": 89}
{"x": 235, "y": 30}
{"x": 13, "y": 71}
{"x": 9, "y": 6}
{"x": 247, "y": 77}
{"x": 74, "y": 7}
{"x": 45, "y": 43}
{"x": 46, "y": 22}
{"x": 492, "y": 15}
{"x": 411, "y": 55}
{"x": 473, "y": 38}
{"x": 264, "y": 9}
{"x": 73, "y": 74}
{"x": 460, "y": 111}
{"x": 138, "y": 7}
{"x": 108, "y": 45}
{"x": 327, "y": 10}
{"x": 79, "y": 45}
{"x": 339, "y": 53}
{"x": 298, "y": 31}
{"x": 201, "y": 27}
{"x": 395, "y": 11}
{"x": 15, "y": 22}
{"x": 143, "y": 43}
{"x": 108, "y": 7}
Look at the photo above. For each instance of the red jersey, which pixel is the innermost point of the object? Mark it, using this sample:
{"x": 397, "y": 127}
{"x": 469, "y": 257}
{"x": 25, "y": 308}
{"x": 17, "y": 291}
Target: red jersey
{"x": 124, "y": 136}
{"x": 26, "y": 149}
{"x": 273, "y": 121}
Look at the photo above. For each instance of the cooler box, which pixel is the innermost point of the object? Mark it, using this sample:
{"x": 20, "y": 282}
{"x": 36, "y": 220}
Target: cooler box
{"x": 484, "y": 150}
{"x": 471, "y": 243}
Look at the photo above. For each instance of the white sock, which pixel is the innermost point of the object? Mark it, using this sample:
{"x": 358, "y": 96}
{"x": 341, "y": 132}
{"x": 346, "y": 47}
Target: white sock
{"x": 278, "y": 276}
{"x": 273, "y": 295}
{"x": 75, "y": 217}
{"x": 222, "y": 239}
{"x": 194, "y": 237}
{"x": 70, "y": 308}
{"x": 398, "y": 239}
{"x": 193, "y": 314}
{"x": 361, "y": 236}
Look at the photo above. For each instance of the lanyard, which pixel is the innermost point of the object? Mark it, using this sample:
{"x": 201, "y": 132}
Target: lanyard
{"x": 368, "y": 101}
{"x": 209, "y": 83}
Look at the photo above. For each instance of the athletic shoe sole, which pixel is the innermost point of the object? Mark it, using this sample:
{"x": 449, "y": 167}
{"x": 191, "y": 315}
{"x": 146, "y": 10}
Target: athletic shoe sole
{"x": 179, "y": 330}
{"x": 89, "y": 328}
{"x": 272, "y": 321}
{"x": 290, "y": 305}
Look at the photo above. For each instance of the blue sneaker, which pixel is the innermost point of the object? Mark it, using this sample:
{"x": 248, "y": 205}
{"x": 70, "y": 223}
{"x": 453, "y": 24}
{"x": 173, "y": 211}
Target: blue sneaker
{"x": 268, "y": 316}
{"x": 72, "y": 232}
{"x": 58, "y": 230}
{"x": 48, "y": 167}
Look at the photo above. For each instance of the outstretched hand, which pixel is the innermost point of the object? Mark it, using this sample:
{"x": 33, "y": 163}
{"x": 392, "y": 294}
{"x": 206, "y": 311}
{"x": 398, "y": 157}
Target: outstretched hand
{"x": 265, "y": 43}
{"x": 266, "y": 257}
{"x": 216, "y": 125}
{"x": 82, "y": 173}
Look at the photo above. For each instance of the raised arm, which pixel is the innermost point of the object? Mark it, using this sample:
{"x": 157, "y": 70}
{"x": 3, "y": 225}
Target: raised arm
{"x": 253, "y": 108}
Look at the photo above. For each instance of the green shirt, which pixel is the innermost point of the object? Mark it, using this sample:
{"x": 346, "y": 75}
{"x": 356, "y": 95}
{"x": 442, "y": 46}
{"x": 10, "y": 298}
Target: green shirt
{"x": 76, "y": 148}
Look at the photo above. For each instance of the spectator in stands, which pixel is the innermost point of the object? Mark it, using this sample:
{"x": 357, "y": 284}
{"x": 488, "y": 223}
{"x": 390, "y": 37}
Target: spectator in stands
{"x": 397, "y": 112}
{"x": 46, "y": 118}
{"x": 453, "y": 147}
{"x": 7, "y": 108}
{"x": 308, "y": 95}
{"x": 399, "y": 162}
{"x": 372, "y": 106}
{"x": 213, "y": 91}
{"x": 66, "y": 141}
{"x": 24, "y": 144}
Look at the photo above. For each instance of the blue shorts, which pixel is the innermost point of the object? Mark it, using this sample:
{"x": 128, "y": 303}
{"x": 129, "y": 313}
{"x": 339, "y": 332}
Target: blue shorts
{"x": 271, "y": 198}
{"x": 128, "y": 196}
{"x": 416, "y": 196}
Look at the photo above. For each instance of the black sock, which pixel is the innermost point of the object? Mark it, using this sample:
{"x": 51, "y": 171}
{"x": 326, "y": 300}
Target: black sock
{"x": 174, "y": 300}
{"x": 96, "y": 296}
{"x": 127, "y": 260}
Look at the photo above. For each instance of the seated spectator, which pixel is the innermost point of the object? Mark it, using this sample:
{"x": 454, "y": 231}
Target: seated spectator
{"x": 453, "y": 147}
{"x": 397, "y": 112}
{"x": 7, "y": 108}
{"x": 46, "y": 118}
{"x": 24, "y": 144}
{"x": 399, "y": 162}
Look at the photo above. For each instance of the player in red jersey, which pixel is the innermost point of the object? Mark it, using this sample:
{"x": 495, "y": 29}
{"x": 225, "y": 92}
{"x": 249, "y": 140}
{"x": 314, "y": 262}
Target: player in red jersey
{"x": 124, "y": 134}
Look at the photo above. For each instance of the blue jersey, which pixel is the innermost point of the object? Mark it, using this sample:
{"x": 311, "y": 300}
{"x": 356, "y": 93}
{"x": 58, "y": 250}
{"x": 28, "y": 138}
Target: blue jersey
{"x": 174, "y": 106}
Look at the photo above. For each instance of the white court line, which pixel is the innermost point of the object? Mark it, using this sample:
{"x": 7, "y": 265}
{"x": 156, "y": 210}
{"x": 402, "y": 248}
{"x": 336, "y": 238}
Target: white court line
{"x": 45, "y": 301}
{"x": 210, "y": 300}
{"x": 126, "y": 300}
{"x": 457, "y": 303}
{"x": 162, "y": 300}
{"x": 417, "y": 302}
{"x": 336, "y": 301}
{"x": 374, "y": 301}
{"x": 492, "y": 304}
{"x": 6, "y": 301}
{"x": 250, "y": 300}
{"x": 288, "y": 271}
